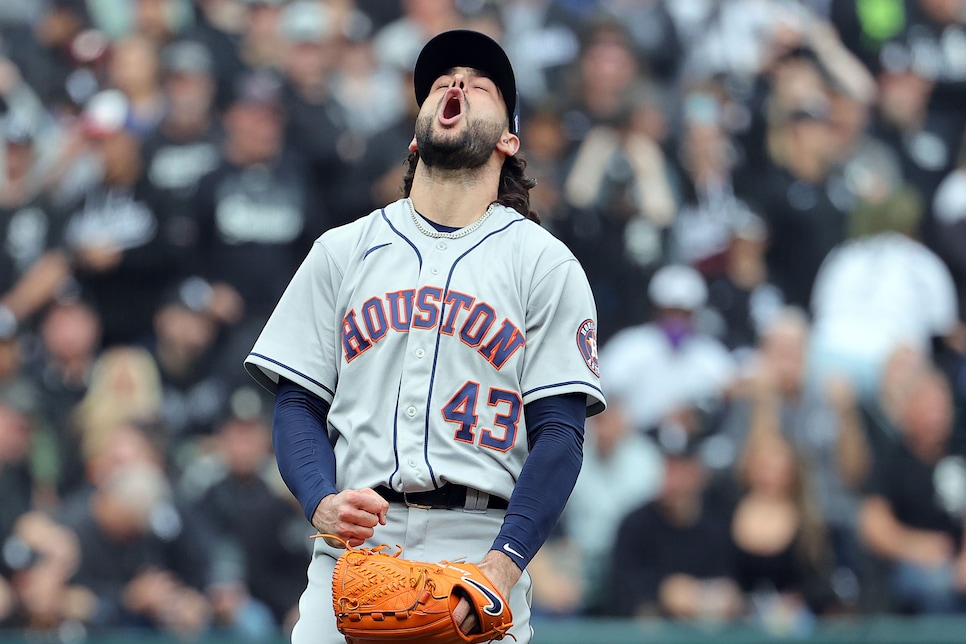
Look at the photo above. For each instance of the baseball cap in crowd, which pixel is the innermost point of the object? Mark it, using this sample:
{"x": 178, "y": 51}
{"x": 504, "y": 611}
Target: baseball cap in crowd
{"x": 466, "y": 48}
{"x": 674, "y": 440}
{"x": 259, "y": 88}
{"x": 306, "y": 21}
{"x": 194, "y": 294}
{"x": 678, "y": 287}
{"x": 105, "y": 113}
{"x": 186, "y": 57}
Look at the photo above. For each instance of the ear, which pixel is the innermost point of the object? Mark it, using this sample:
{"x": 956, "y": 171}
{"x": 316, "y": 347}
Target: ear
{"x": 509, "y": 144}
{"x": 412, "y": 144}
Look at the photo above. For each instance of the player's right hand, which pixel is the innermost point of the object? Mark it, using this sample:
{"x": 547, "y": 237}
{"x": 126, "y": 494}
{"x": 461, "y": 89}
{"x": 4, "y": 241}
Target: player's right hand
{"x": 350, "y": 514}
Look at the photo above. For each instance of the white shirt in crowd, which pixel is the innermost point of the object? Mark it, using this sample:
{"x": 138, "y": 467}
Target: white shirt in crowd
{"x": 650, "y": 378}
{"x": 876, "y": 293}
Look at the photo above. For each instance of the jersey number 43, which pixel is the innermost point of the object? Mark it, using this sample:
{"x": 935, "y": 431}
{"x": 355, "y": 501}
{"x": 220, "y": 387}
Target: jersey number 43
{"x": 461, "y": 411}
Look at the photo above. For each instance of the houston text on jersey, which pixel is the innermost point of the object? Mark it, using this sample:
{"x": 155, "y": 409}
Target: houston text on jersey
{"x": 428, "y": 308}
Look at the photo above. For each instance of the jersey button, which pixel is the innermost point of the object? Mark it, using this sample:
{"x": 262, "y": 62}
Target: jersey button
{"x": 420, "y": 353}
{"x": 411, "y": 411}
{"x": 434, "y": 270}
{"x": 412, "y": 462}
{"x": 441, "y": 245}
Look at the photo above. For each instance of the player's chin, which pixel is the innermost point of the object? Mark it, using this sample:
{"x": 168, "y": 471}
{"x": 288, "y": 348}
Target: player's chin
{"x": 451, "y": 130}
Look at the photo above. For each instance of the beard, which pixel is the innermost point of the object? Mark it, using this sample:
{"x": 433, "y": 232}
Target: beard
{"x": 469, "y": 150}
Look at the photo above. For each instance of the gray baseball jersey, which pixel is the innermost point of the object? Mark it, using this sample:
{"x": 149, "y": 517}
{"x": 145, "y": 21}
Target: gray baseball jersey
{"x": 428, "y": 345}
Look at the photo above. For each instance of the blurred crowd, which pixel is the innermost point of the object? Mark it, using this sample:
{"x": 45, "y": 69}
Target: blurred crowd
{"x": 768, "y": 197}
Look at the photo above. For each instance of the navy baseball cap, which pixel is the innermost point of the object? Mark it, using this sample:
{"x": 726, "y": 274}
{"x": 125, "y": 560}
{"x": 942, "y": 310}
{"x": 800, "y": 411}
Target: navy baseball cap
{"x": 466, "y": 48}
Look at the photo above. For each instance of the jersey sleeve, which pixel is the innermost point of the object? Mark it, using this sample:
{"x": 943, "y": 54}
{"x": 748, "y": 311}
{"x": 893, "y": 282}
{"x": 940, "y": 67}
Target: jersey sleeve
{"x": 561, "y": 350}
{"x": 300, "y": 339}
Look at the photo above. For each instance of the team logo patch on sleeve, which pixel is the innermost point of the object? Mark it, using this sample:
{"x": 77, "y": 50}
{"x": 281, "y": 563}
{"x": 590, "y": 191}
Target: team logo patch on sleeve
{"x": 587, "y": 343}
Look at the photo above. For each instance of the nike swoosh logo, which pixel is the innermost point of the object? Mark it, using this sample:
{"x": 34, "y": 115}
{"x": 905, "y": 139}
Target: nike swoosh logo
{"x": 496, "y": 604}
{"x": 513, "y": 552}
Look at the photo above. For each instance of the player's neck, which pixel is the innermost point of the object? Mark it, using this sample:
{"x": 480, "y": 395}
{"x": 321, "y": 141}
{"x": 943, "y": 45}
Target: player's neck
{"x": 453, "y": 198}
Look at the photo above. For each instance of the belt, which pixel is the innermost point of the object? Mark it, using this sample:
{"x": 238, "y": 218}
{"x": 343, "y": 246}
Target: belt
{"x": 447, "y": 497}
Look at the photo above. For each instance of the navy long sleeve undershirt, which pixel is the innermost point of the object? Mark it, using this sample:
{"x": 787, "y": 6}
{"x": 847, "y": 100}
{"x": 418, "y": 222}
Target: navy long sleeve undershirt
{"x": 555, "y": 429}
{"x": 306, "y": 458}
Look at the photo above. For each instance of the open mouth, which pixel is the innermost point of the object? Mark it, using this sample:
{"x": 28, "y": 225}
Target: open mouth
{"x": 452, "y": 107}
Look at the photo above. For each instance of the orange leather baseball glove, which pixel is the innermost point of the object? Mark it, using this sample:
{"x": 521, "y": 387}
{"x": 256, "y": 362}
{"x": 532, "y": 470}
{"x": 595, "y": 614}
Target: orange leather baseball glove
{"x": 380, "y": 597}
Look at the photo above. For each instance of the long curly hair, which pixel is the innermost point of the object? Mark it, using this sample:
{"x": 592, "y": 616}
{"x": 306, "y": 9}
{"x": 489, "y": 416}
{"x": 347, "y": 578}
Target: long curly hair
{"x": 514, "y": 190}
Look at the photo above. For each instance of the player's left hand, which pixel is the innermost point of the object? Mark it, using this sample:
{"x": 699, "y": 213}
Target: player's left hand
{"x": 503, "y": 572}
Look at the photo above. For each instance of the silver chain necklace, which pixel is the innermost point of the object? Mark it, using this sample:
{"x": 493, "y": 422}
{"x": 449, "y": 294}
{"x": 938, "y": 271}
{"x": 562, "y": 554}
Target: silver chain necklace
{"x": 429, "y": 231}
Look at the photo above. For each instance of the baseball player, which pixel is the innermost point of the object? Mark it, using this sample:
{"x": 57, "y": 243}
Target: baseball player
{"x": 434, "y": 361}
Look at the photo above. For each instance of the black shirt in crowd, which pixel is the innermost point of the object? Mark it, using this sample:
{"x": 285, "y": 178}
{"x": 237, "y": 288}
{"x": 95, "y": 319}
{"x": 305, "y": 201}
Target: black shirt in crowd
{"x": 25, "y": 233}
{"x": 910, "y": 488}
{"x": 131, "y": 221}
{"x": 256, "y": 225}
{"x": 649, "y": 549}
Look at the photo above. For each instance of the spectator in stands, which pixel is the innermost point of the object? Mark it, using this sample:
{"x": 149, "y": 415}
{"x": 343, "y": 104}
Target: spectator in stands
{"x": 913, "y": 513}
{"x": 47, "y": 61}
{"x": 261, "y": 46}
{"x": 544, "y": 148}
{"x": 654, "y": 34}
{"x": 256, "y": 214}
{"x": 135, "y": 71}
{"x": 366, "y": 86}
{"x": 792, "y": 193}
{"x": 25, "y": 224}
{"x": 617, "y": 190}
{"x": 606, "y": 68}
{"x": 27, "y": 229}
{"x": 674, "y": 557}
{"x": 931, "y": 30}
{"x": 257, "y": 518}
{"x": 925, "y": 139}
{"x": 542, "y": 39}
{"x": 622, "y": 469}
{"x": 181, "y": 536}
{"x": 315, "y": 122}
{"x": 742, "y": 295}
{"x": 701, "y": 231}
{"x": 867, "y": 167}
{"x": 373, "y": 179}
{"x": 620, "y": 151}
{"x": 116, "y": 236}
{"x": 19, "y": 426}
{"x": 820, "y": 421}
{"x": 783, "y": 555}
{"x": 42, "y": 557}
{"x": 184, "y": 346}
{"x": 186, "y": 145}
{"x": 650, "y": 371}
{"x": 218, "y": 27}
{"x": 61, "y": 367}
{"x": 883, "y": 274}
{"x": 123, "y": 562}
{"x": 882, "y": 415}
{"x": 125, "y": 387}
